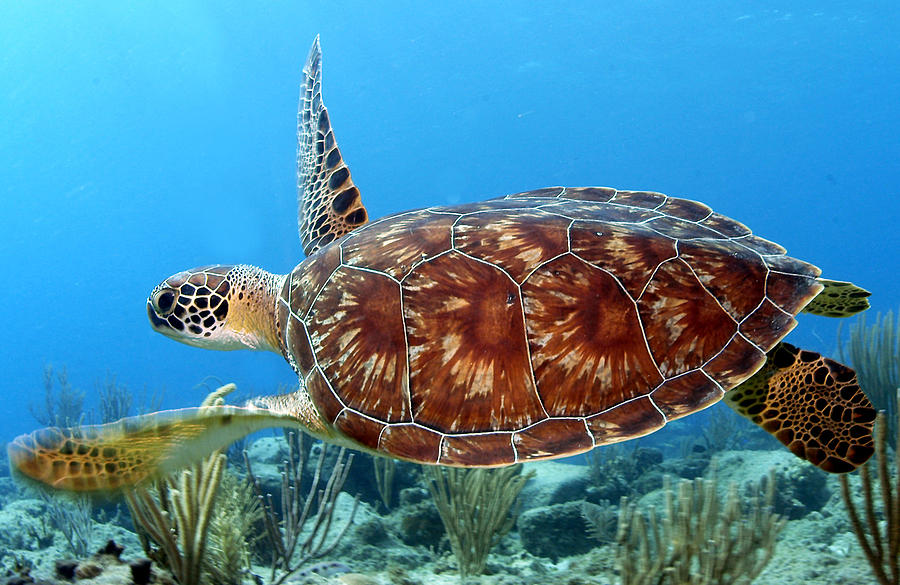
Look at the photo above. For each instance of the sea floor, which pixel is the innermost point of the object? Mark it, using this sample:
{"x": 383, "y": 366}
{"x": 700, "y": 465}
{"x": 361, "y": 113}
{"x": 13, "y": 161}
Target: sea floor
{"x": 816, "y": 546}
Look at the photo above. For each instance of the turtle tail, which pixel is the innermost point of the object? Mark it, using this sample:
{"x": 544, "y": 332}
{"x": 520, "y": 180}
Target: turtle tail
{"x": 134, "y": 450}
{"x": 813, "y": 405}
{"x": 838, "y": 299}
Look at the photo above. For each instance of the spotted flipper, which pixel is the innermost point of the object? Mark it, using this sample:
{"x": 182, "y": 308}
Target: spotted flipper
{"x": 811, "y": 404}
{"x": 133, "y": 450}
{"x": 838, "y": 299}
{"x": 328, "y": 203}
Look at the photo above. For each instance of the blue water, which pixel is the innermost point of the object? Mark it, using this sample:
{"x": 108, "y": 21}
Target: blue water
{"x": 137, "y": 140}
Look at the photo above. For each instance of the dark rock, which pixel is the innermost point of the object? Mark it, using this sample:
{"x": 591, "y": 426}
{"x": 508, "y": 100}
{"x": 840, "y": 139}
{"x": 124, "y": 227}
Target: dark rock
{"x": 572, "y": 489}
{"x": 413, "y": 495}
{"x": 65, "y": 569}
{"x": 421, "y": 525}
{"x": 112, "y": 549}
{"x": 611, "y": 489}
{"x": 646, "y": 457}
{"x": 141, "y": 569}
{"x": 690, "y": 467}
{"x": 555, "y": 531}
{"x": 372, "y": 531}
{"x": 646, "y": 483}
{"x": 800, "y": 489}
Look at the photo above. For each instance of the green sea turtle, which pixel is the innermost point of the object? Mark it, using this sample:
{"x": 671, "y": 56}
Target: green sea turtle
{"x": 532, "y": 326}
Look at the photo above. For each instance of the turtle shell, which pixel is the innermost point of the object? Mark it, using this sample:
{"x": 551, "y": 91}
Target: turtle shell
{"x": 537, "y": 325}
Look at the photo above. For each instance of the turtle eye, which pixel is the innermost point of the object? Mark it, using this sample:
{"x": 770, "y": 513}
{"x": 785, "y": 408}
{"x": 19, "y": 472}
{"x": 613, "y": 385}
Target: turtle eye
{"x": 164, "y": 302}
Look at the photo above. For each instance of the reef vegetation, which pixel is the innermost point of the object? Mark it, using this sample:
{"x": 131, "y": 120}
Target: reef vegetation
{"x": 713, "y": 500}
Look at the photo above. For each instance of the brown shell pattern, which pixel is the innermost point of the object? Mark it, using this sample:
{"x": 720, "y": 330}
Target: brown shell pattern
{"x": 536, "y": 325}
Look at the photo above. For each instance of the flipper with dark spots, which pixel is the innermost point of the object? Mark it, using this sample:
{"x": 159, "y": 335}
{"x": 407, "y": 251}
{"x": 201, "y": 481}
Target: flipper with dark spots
{"x": 328, "y": 201}
{"x": 813, "y": 405}
{"x": 135, "y": 450}
{"x": 838, "y": 299}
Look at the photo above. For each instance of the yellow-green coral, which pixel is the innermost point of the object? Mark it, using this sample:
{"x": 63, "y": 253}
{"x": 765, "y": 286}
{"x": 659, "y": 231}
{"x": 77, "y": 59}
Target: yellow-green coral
{"x": 232, "y": 531}
{"x": 698, "y": 541}
{"x": 477, "y": 507}
{"x": 879, "y": 540}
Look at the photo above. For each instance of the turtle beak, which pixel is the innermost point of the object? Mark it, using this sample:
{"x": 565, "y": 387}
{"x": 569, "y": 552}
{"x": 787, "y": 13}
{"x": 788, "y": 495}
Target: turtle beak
{"x": 163, "y": 312}
{"x": 158, "y": 323}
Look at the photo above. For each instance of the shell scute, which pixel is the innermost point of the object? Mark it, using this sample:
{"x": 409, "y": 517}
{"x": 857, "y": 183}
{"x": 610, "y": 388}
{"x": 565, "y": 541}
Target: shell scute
{"x": 684, "y": 323}
{"x": 681, "y": 229}
{"x": 322, "y": 396}
{"x": 629, "y": 420}
{"x": 791, "y": 292}
{"x": 725, "y": 226}
{"x": 309, "y": 277}
{"x": 545, "y": 192}
{"x": 364, "y": 431}
{"x": 762, "y": 245}
{"x": 724, "y": 268}
{"x": 411, "y": 441}
{"x": 608, "y": 212}
{"x": 552, "y": 436}
{"x": 792, "y": 266}
{"x": 645, "y": 199}
{"x": 468, "y": 450}
{"x": 599, "y": 194}
{"x": 516, "y": 243}
{"x": 493, "y": 204}
{"x": 685, "y": 209}
{"x": 735, "y": 362}
{"x": 283, "y": 314}
{"x": 395, "y": 250}
{"x": 632, "y": 253}
{"x": 587, "y": 350}
{"x": 767, "y": 325}
{"x": 469, "y": 367}
{"x": 685, "y": 394}
{"x": 298, "y": 343}
{"x": 358, "y": 337}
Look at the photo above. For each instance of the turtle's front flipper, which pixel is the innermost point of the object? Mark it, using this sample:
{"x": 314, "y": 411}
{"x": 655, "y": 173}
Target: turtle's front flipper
{"x": 811, "y": 404}
{"x": 329, "y": 204}
{"x": 134, "y": 450}
{"x": 838, "y": 299}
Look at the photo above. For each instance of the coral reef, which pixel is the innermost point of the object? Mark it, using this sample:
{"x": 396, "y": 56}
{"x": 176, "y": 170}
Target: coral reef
{"x": 477, "y": 507}
{"x": 698, "y": 540}
{"x": 173, "y": 516}
{"x": 874, "y": 352}
{"x": 62, "y": 407}
{"x": 879, "y": 533}
{"x": 291, "y": 548}
{"x": 393, "y": 532}
{"x": 555, "y": 531}
{"x": 233, "y": 530}
{"x": 106, "y": 567}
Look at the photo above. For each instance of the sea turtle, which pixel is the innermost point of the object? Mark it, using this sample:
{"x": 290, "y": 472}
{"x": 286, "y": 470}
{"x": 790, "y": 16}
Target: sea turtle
{"x": 532, "y": 326}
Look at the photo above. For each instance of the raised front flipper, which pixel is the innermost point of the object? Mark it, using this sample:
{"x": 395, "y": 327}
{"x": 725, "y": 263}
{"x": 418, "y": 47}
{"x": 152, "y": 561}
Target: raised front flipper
{"x": 136, "y": 449}
{"x": 813, "y": 405}
{"x": 328, "y": 203}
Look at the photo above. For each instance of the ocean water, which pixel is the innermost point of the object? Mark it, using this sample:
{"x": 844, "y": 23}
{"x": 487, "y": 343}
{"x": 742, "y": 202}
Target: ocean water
{"x": 137, "y": 140}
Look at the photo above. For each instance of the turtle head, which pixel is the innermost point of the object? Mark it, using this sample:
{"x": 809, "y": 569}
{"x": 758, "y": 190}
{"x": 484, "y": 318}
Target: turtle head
{"x": 221, "y": 307}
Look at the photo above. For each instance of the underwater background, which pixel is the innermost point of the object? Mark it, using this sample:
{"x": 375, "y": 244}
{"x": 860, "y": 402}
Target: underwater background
{"x": 140, "y": 139}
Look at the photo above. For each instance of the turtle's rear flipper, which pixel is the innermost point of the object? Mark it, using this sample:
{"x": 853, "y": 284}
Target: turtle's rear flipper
{"x": 133, "y": 450}
{"x": 838, "y": 299}
{"x": 811, "y": 404}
